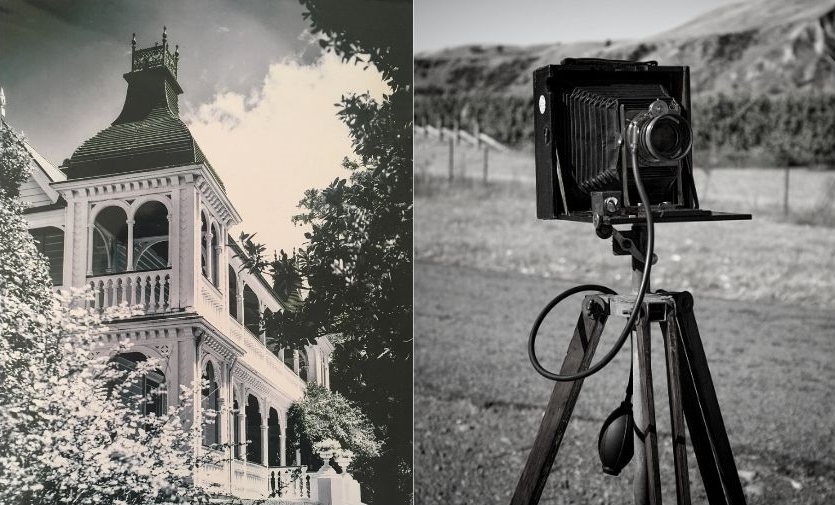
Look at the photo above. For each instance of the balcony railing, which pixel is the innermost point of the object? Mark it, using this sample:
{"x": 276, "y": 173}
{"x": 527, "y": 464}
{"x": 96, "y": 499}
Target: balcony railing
{"x": 151, "y": 290}
{"x": 255, "y": 482}
{"x": 212, "y": 306}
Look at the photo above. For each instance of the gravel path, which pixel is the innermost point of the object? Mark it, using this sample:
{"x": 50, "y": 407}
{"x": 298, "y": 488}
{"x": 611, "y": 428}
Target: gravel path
{"x": 478, "y": 402}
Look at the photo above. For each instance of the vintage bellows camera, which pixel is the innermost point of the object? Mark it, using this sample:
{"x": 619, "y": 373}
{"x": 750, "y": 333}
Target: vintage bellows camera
{"x": 593, "y": 120}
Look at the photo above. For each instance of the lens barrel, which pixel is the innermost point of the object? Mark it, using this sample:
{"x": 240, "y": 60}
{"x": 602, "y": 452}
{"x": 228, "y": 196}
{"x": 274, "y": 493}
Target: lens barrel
{"x": 660, "y": 138}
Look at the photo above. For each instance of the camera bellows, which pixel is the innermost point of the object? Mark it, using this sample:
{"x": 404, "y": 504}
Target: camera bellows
{"x": 595, "y": 127}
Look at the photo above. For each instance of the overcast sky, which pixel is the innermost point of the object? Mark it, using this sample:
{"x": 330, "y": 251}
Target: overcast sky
{"x": 446, "y": 23}
{"x": 259, "y": 97}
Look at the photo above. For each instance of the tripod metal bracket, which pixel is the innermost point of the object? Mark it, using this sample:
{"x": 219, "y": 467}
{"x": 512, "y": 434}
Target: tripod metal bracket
{"x": 624, "y": 243}
{"x": 658, "y": 306}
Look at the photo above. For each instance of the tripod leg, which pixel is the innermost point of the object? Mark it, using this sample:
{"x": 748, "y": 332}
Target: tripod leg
{"x": 557, "y": 414}
{"x": 704, "y": 419}
{"x": 647, "y": 483}
{"x": 671, "y": 347}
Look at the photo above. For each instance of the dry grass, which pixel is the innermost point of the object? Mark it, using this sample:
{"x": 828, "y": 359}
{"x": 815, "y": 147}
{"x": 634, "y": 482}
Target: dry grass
{"x": 494, "y": 227}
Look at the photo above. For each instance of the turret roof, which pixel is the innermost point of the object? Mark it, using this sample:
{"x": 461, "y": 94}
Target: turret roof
{"x": 148, "y": 134}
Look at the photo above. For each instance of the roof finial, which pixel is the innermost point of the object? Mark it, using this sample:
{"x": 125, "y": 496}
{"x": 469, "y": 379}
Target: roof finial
{"x": 133, "y": 42}
{"x": 164, "y": 35}
{"x": 2, "y": 103}
{"x": 177, "y": 51}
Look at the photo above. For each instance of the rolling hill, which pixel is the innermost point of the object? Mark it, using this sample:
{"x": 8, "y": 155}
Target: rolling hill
{"x": 757, "y": 46}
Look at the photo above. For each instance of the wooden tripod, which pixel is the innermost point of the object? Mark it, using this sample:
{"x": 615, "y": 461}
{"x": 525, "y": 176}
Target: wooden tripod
{"x": 691, "y": 393}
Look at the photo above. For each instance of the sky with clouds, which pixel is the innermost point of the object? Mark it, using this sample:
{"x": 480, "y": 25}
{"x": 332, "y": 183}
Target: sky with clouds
{"x": 259, "y": 94}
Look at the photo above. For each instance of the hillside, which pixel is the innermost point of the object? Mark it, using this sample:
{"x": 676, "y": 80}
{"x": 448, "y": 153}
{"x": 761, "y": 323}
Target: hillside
{"x": 757, "y": 46}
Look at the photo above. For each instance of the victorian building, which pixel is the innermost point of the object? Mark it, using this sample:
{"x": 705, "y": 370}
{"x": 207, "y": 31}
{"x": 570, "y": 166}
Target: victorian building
{"x": 138, "y": 214}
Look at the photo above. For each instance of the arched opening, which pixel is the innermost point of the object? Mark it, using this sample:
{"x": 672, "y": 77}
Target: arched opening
{"x": 289, "y": 360}
{"x": 306, "y": 455}
{"x": 252, "y": 314}
{"x": 233, "y": 293}
{"x": 269, "y": 331}
{"x": 273, "y": 439}
{"x": 215, "y": 253}
{"x": 210, "y": 401}
{"x": 148, "y": 393}
{"x": 236, "y": 427}
{"x": 50, "y": 243}
{"x": 253, "y": 430}
{"x": 110, "y": 241}
{"x": 204, "y": 245}
{"x": 150, "y": 236}
{"x": 303, "y": 365}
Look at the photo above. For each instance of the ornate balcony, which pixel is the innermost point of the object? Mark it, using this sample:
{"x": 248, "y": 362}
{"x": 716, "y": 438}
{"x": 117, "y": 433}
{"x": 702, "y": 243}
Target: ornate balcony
{"x": 150, "y": 289}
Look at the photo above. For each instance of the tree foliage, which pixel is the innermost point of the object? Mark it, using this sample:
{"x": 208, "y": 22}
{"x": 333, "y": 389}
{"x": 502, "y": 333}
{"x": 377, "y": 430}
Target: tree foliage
{"x": 357, "y": 260}
{"x": 793, "y": 130}
{"x": 67, "y": 434}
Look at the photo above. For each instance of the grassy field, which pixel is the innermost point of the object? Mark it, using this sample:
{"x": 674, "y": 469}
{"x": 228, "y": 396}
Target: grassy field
{"x": 774, "y": 257}
{"x": 485, "y": 266}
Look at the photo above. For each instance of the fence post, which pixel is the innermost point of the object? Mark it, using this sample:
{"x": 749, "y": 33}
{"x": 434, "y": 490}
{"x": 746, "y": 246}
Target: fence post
{"x": 786, "y": 193}
{"x": 486, "y": 150}
{"x": 456, "y": 132}
{"x": 451, "y": 157}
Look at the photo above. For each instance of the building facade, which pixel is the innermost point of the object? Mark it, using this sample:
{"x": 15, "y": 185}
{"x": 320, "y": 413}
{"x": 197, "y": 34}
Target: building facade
{"x": 139, "y": 215}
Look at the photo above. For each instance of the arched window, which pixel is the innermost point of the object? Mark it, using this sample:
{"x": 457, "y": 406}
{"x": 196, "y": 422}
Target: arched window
{"x": 303, "y": 365}
{"x": 110, "y": 241}
{"x": 211, "y": 401}
{"x": 148, "y": 394}
{"x": 236, "y": 426}
{"x": 252, "y": 314}
{"x": 215, "y": 253}
{"x": 273, "y": 439}
{"x": 253, "y": 430}
{"x": 150, "y": 236}
{"x": 50, "y": 242}
{"x": 233, "y": 293}
{"x": 204, "y": 245}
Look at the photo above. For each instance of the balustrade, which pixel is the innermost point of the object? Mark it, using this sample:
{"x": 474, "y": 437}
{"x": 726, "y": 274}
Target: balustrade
{"x": 150, "y": 290}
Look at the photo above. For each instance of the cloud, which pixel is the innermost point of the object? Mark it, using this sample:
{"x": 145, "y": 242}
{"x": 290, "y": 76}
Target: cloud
{"x": 280, "y": 140}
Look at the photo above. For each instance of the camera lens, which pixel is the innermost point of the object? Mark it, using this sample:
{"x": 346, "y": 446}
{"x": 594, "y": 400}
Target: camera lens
{"x": 667, "y": 137}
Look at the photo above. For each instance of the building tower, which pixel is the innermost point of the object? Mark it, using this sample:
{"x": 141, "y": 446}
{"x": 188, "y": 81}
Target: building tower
{"x": 138, "y": 214}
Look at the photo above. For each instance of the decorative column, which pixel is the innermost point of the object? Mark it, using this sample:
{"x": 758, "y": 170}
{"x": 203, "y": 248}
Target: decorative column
{"x": 265, "y": 442}
{"x": 244, "y": 444}
{"x": 263, "y": 335}
{"x": 220, "y": 419}
{"x": 282, "y": 441}
{"x": 208, "y": 252}
{"x": 130, "y": 245}
{"x": 240, "y": 301}
{"x": 90, "y": 230}
{"x": 170, "y": 238}
{"x": 240, "y": 418}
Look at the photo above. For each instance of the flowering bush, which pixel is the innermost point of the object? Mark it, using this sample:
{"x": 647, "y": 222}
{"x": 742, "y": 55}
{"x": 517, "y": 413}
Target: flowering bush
{"x": 68, "y": 435}
{"x": 344, "y": 454}
{"x": 328, "y": 419}
{"x": 327, "y": 445}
